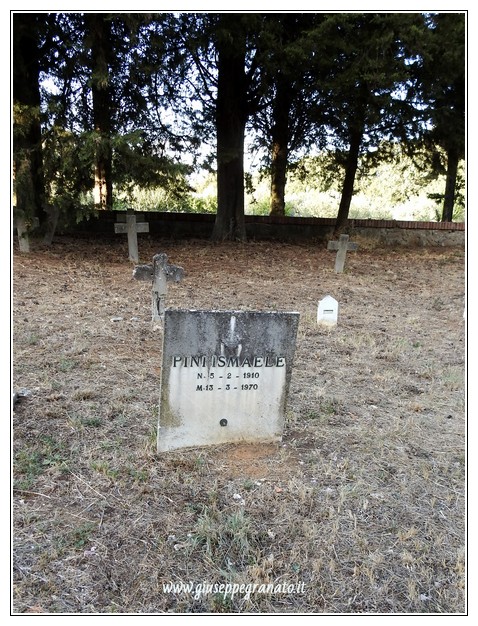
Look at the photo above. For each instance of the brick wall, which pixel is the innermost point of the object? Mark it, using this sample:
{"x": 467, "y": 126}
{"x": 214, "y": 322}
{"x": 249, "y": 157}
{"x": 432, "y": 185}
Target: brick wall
{"x": 383, "y": 232}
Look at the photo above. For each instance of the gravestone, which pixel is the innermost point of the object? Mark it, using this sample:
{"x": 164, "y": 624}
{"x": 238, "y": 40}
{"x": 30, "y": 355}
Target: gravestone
{"x": 327, "y": 311}
{"x": 342, "y": 246}
{"x": 158, "y": 273}
{"x": 127, "y": 223}
{"x": 225, "y": 376}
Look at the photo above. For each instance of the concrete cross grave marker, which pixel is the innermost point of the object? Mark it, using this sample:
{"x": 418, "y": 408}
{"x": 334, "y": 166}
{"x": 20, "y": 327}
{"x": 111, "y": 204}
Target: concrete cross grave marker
{"x": 159, "y": 273}
{"x": 342, "y": 246}
{"x": 225, "y": 376}
{"x": 127, "y": 223}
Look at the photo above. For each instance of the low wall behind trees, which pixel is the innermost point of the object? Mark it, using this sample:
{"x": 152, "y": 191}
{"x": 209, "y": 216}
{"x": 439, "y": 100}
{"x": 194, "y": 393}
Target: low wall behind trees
{"x": 193, "y": 225}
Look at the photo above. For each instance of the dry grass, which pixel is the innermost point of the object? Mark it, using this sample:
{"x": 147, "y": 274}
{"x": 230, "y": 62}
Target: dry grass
{"x": 361, "y": 506}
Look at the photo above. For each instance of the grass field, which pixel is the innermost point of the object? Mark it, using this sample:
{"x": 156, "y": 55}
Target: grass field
{"x": 360, "y": 508}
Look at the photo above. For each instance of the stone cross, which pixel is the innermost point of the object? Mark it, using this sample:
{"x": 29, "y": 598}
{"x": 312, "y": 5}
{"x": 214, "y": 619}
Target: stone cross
{"x": 159, "y": 273}
{"x": 132, "y": 227}
{"x": 342, "y": 246}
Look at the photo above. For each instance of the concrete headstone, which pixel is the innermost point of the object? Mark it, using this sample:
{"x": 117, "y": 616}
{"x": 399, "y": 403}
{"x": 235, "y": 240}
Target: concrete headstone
{"x": 328, "y": 311}
{"x": 225, "y": 376}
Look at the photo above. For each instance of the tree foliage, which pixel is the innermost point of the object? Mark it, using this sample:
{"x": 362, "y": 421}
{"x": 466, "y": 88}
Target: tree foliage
{"x": 441, "y": 84}
{"x": 103, "y": 131}
{"x": 27, "y": 135}
{"x": 115, "y": 102}
{"x": 363, "y": 89}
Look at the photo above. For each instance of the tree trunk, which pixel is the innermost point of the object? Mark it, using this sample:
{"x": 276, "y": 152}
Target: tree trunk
{"x": 280, "y": 145}
{"x": 349, "y": 180}
{"x": 27, "y": 136}
{"x": 99, "y": 36}
{"x": 230, "y": 126}
{"x": 451, "y": 173}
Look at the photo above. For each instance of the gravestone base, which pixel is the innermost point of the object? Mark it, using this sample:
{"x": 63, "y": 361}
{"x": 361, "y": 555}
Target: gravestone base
{"x": 225, "y": 377}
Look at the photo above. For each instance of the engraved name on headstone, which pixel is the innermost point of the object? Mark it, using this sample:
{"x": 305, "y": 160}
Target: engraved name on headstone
{"x": 225, "y": 376}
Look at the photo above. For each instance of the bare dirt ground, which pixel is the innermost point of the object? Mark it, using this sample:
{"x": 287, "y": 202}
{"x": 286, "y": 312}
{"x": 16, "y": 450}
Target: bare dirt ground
{"x": 361, "y": 507}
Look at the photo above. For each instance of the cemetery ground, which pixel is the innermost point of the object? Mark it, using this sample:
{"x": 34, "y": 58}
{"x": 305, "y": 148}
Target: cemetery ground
{"x": 360, "y": 508}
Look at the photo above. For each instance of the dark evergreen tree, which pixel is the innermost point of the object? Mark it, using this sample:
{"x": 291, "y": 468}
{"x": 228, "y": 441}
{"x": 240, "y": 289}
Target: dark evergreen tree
{"x": 133, "y": 92}
{"x": 442, "y": 87}
{"x": 289, "y": 67}
{"x": 231, "y": 116}
{"x": 104, "y": 131}
{"x": 335, "y": 80}
{"x": 225, "y": 75}
{"x": 27, "y": 136}
{"x": 99, "y": 41}
{"x": 363, "y": 91}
